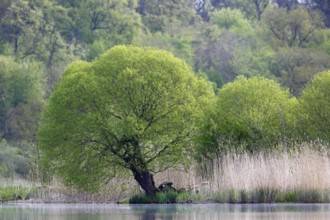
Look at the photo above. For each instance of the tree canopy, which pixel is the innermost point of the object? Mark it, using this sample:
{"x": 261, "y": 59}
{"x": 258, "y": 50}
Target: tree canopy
{"x": 315, "y": 108}
{"x": 133, "y": 108}
{"x": 252, "y": 113}
{"x": 21, "y": 98}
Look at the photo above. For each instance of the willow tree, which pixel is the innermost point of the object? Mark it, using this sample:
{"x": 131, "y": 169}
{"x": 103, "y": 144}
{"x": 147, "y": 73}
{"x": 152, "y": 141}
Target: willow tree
{"x": 253, "y": 113}
{"x": 315, "y": 108}
{"x": 133, "y": 108}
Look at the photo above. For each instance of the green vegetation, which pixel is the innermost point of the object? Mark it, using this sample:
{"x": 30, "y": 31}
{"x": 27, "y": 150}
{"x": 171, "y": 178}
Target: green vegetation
{"x": 16, "y": 163}
{"x": 132, "y": 108}
{"x": 170, "y": 197}
{"x": 137, "y": 110}
{"x": 255, "y": 113}
{"x": 266, "y": 195}
{"x": 262, "y": 195}
{"x": 315, "y": 107}
{"x": 161, "y": 198}
{"x": 12, "y": 193}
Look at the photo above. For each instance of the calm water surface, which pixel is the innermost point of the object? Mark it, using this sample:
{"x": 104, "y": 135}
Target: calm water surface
{"x": 164, "y": 212}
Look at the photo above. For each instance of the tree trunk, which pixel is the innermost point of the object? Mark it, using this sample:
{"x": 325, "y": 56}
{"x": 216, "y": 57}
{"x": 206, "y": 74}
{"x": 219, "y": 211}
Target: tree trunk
{"x": 146, "y": 181}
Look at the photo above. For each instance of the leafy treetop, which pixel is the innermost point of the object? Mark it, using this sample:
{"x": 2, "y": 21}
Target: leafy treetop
{"x": 132, "y": 108}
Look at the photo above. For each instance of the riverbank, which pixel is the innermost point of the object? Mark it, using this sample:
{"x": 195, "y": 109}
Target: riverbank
{"x": 237, "y": 197}
{"x": 28, "y": 194}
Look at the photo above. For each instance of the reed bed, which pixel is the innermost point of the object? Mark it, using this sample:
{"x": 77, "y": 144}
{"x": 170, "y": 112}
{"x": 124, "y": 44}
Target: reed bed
{"x": 301, "y": 174}
{"x": 307, "y": 168}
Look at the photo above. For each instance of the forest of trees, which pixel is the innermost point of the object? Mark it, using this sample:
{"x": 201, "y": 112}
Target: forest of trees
{"x": 273, "y": 47}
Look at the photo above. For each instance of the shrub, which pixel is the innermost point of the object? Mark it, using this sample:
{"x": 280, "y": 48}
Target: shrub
{"x": 315, "y": 108}
{"x": 159, "y": 198}
{"x": 11, "y": 193}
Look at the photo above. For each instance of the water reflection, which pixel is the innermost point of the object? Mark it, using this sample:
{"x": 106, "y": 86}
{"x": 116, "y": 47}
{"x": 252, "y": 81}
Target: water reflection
{"x": 235, "y": 212}
{"x": 163, "y": 212}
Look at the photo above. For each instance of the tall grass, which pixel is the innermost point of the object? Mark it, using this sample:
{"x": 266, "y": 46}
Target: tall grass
{"x": 14, "y": 193}
{"x": 307, "y": 167}
{"x": 301, "y": 174}
{"x": 117, "y": 189}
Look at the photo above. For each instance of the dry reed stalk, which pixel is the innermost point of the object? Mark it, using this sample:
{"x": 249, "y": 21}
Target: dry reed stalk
{"x": 116, "y": 189}
{"x": 306, "y": 168}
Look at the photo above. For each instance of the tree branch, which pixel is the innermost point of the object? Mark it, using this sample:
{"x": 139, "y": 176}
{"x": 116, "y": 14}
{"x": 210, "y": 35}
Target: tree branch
{"x": 164, "y": 149}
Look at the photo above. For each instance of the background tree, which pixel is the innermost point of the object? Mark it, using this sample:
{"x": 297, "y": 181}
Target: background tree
{"x": 132, "y": 108}
{"x": 21, "y": 98}
{"x": 290, "y": 28}
{"x": 251, "y": 9}
{"x": 33, "y": 31}
{"x": 13, "y": 163}
{"x": 253, "y": 113}
{"x": 286, "y": 4}
{"x": 167, "y": 16}
{"x": 320, "y": 41}
{"x": 321, "y": 5}
{"x": 230, "y": 47}
{"x": 315, "y": 108}
{"x": 180, "y": 46}
{"x": 296, "y": 67}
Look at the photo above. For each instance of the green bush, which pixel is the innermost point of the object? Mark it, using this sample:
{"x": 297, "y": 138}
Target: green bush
{"x": 250, "y": 113}
{"x": 315, "y": 108}
{"x": 12, "y": 162}
{"x": 11, "y": 193}
{"x": 159, "y": 198}
{"x": 288, "y": 197}
{"x": 189, "y": 197}
{"x": 269, "y": 195}
{"x": 264, "y": 195}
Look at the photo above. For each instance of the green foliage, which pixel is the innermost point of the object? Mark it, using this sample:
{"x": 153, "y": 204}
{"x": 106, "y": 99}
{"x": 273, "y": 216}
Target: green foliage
{"x": 286, "y": 40}
{"x": 180, "y": 46}
{"x": 233, "y": 48}
{"x": 252, "y": 59}
{"x": 189, "y": 197}
{"x": 167, "y": 16}
{"x": 290, "y": 28}
{"x": 295, "y": 196}
{"x": 233, "y": 20}
{"x": 213, "y": 56}
{"x": 315, "y": 108}
{"x": 134, "y": 108}
{"x": 295, "y": 67}
{"x": 96, "y": 48}
{"x": 112, "y": 22}
{"x": 159, "y": 198}
{"x": 167, "y": 197}
{"x": 33, "y": 30}
{"x": 21, "y": 98}
{"x": 268, "y": 195}
{"x": 13, "y": 162}
{"x": 254, "y": 113}
{"x": 251, "y": 9}
{"x": 320, "y": 41}
{"x": 12, "y": 193}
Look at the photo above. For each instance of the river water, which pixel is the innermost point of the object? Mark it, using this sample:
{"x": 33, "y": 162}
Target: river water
{"x": 164, "y": 212}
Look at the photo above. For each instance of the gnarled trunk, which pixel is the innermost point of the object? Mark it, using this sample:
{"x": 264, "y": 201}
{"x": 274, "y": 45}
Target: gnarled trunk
{"x": 146, "y": 181}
